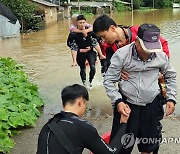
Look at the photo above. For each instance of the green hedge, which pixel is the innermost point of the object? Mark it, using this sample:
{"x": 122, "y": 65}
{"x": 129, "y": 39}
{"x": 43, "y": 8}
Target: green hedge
{"x": 85, "y": 11}
{"x": 19, "y": 102}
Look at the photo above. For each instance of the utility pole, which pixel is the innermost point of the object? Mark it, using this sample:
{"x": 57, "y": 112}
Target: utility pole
{"x": 78, "y": 7}
{"x": 113, "y": 3}
{"x": 153, "y": 4}
{"x": 132, "y": 12}
{"x": 59, "y": 4}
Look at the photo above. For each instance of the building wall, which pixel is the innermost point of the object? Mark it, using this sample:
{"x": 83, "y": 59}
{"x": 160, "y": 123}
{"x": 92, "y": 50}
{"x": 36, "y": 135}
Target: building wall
{"x": 50, "y": 13}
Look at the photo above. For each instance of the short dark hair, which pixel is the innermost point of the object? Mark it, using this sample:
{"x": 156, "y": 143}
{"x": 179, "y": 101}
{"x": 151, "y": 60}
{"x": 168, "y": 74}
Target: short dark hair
{"x": 102, "y": 23}
{"x": 81, "y": 17}
{"x": 70, "y": 93}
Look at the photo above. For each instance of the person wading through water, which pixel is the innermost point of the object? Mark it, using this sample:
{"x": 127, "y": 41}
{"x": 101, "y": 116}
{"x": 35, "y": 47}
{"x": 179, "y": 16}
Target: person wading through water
{"x": 83, "y": 46}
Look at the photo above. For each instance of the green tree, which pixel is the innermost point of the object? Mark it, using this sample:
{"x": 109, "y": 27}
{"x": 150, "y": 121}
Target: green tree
{"x": 136, "y": 3}
{"x": 119, "y": 6}
{"x": 25, "y": 12}
{"x": 148, "y": 3}
{"x": 158, "y": 3}
{"x": 163, "y": 4}
{"x": 176, "y": 1}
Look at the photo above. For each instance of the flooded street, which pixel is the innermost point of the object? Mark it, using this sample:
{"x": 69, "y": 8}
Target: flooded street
{"x": 47, "y": 60}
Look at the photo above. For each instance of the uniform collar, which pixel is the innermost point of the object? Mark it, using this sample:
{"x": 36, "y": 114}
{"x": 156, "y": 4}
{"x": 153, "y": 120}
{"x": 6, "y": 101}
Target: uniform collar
{"x": 68, "y": 114}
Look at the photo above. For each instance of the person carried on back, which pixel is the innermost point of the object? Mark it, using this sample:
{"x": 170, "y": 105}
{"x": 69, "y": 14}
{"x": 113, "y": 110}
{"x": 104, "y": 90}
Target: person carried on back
{"x": 83, "y": 49}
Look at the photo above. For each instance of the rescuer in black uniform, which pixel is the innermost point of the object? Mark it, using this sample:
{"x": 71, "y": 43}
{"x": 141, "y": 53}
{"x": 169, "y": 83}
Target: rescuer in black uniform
{"x": 66, "y": 133}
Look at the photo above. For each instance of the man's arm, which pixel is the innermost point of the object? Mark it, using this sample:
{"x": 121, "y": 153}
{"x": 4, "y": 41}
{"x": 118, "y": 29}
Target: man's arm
{"x": 84, "y": 31}
{"x": 98, "y": 146}
{"x": 97, "y": 47}
{"x": 95, "y": 44}
{"x": 112, "y": 76}
{"x": 171, "y": 86}
{"x": 76, "y": 30}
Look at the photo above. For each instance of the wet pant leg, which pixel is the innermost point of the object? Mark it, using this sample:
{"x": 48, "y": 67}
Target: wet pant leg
{"x": 81, "y": 59}
{"x": 91, "y": 57}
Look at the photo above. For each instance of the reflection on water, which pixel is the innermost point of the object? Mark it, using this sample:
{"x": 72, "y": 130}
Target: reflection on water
{"x": 47, "y": 59}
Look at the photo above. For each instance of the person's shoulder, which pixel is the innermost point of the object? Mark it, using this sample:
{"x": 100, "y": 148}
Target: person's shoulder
{"x": 125, "y": 50}
{"x": 91, "y": 33}
{"x": 84, "y": 123}
{"x": 162, "y": 55}
{"x": 134, "y": 28}
{"x": 71, "y": 35}
{"x": 123, "y": 54}
{"x": 76, "y": 36}
{"x": 44, "y": 131}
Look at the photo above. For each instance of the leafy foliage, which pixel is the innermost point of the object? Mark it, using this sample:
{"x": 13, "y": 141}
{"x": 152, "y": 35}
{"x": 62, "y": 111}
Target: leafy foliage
{"x": 136, "y": 3}
{"x": 176, "y": 1}
{"x": 19, "y": 100}
{"x": 119, "y": 7}
{"x": 25, "y": 12}
{"x": 149, "y": 3}
{"x": 163, "y": 3}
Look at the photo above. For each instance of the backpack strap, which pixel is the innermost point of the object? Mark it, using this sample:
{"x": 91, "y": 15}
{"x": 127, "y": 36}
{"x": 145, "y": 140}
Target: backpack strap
{"x": 62, "y": 138}
{"x": 129, "y": 34}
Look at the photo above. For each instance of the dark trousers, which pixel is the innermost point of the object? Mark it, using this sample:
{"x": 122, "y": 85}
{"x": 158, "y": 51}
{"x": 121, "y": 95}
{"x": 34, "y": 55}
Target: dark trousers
{"x": 90, "y": 56}
{"x": 142, "y": 123}
{"x": 105, "y": 63}
{"x": 162, "y": 102}
{"x": 109, "y": 54}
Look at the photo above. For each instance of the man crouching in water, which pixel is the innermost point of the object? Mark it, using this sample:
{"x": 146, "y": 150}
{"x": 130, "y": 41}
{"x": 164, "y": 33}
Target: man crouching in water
{"x": 67, "y": 133}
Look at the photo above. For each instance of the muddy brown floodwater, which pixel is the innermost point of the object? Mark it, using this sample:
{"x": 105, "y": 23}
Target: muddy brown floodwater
{"x": 47, "y": 60}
